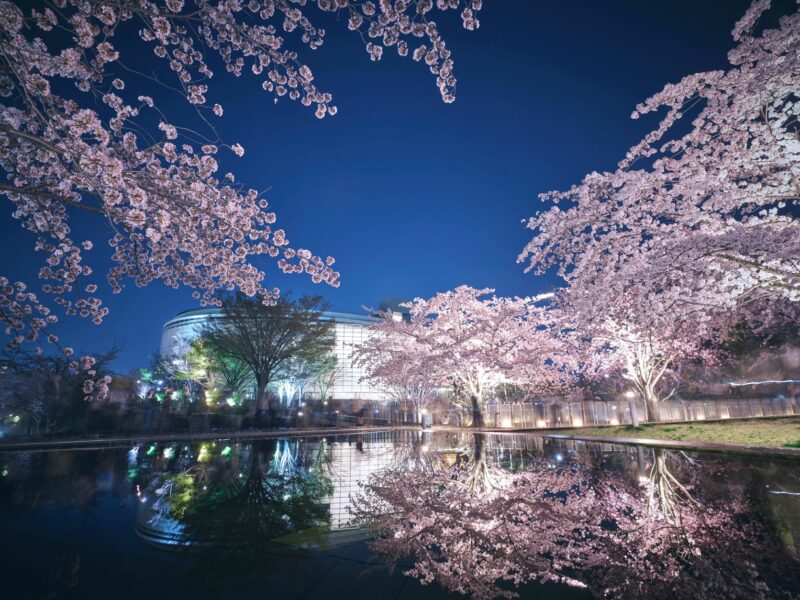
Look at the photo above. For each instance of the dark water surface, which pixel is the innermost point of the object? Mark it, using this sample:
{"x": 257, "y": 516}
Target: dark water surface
{"x": 480, "y": 515}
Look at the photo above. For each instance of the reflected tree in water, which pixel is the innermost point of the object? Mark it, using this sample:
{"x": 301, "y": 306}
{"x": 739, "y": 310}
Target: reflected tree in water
{"x": 230, "y": 512}
{"x": 666, "y": 497}
{"x": 415, "y": 454}
{"x": 483, "y": 531}
{"x": 473, "y": 470}
{"x": 265, "y": 500}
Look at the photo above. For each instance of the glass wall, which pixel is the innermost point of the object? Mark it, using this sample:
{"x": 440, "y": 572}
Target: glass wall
{"x": 350, "y": 332}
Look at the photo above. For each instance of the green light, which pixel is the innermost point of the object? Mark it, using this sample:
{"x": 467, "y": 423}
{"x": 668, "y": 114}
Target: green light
{"x": 151, "y": 450}
{"x": 204, "y": 453}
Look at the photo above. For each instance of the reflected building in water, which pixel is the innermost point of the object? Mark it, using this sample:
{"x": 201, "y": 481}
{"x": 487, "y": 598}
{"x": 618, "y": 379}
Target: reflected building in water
{"x": 342, "y": 465}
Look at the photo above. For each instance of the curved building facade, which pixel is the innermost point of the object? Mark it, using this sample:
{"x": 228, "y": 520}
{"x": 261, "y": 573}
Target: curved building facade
{"x": 350, "y": 331}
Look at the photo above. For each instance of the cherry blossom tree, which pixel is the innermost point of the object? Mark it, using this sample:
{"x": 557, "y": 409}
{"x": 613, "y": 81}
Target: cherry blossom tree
{"x": 620, "y": 327}
{"x": 461, "y": 337}
{"x": 42, "y": 388}
{"x": 707, "y": 209}
{"x": 80, "y": 132}
{"x": 390, "y": 360}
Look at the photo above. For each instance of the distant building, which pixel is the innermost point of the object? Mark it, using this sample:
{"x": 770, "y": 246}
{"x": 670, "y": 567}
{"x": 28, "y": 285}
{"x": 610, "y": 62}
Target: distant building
{"x": 350, "y": 331}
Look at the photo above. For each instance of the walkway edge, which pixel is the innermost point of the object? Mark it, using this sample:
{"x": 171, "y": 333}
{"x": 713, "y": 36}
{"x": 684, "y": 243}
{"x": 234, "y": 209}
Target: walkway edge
{"x": 791, "y": 453}
{"x": 112, "y": 441}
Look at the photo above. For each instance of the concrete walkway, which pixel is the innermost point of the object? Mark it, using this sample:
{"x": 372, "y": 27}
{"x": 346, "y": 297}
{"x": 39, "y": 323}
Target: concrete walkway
{"x": 574, "y": 434}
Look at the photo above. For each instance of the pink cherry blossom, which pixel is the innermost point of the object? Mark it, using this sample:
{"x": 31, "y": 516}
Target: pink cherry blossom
{"x": 461, "y": 338}
{"x": 92, "y": 149}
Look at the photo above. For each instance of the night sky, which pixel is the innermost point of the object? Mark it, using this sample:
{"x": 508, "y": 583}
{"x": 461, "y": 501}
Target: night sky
{"x": 413, "y": 196}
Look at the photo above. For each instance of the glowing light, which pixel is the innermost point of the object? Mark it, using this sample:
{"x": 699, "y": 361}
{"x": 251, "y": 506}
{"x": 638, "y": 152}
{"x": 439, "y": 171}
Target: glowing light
{"x": 204, "y": 453}
{"x": 506, "y": 423}
{"x": 133, "y": 455}
{"x": 559, "y": 457}
{"x": 169, "y": 453}
{"x": 226, "y": 451}
{"x": 300, "y": 413}
{"x": 700, "y": 418}
{"x": 577, "y": 422}
{"x": 630, "y": 394}
{"x": 644, "y": 479}
{"x": 767, "y": 381}
{"x": 151, "y": 450}
{"x": 541, "y": 423}
{"x": 425, "y": 448}
{"x": 614, "y": 422}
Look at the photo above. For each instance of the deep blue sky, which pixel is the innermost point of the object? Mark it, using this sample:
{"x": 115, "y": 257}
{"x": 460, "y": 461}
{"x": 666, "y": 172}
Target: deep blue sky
{"x": 413, "y": 196}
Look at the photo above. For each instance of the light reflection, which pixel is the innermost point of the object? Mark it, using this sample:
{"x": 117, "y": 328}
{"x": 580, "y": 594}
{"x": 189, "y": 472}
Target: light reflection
{"x": 480, "y": 514}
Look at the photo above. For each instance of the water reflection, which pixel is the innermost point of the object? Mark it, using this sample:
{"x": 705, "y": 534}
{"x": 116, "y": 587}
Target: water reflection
{"x": 483, "y": 528}
{"x": 482, "y": 515}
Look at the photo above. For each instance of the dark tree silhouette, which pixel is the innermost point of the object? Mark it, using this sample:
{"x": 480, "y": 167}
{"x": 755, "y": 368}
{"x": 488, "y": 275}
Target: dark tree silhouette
{"x": 268, "y": 337}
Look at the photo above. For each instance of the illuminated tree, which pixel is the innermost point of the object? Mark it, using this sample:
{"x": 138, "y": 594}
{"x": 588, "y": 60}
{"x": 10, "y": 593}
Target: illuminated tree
{"x": 617, "y": 326}
{"x": 325, "y": 372}
{"x": 461, "y": 337}
{"x": 196, "y": 366}
{"x": 704, "y": 211}
{"x": 391, "y": 362}
{"x": 268, "y": 338}
{"x": 81, "y": 132}
{"x": 235, "y": 375}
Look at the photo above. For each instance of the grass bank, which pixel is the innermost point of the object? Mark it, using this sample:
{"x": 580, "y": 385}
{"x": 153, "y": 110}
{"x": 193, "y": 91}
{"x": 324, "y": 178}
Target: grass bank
{"x": 772, "y": 433}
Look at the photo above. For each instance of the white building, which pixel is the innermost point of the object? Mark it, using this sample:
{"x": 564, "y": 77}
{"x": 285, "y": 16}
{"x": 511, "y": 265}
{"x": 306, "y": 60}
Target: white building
{"x": 350, "y": 331}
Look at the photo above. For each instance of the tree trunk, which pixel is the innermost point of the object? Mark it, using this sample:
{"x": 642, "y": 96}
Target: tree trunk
{"x": 261, "y": 397}
{"x": 651, "y": 401}
{"x": 477, "y": 413}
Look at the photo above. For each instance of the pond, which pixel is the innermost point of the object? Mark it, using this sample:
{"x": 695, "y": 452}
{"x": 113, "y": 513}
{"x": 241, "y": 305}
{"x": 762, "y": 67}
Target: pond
{"x": 401, "y": 514}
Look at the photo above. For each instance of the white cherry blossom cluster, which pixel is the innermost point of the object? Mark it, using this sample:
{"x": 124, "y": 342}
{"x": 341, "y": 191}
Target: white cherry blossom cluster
{"x": 716, "y": 205}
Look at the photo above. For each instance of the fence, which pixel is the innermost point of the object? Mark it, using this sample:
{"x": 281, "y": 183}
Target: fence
{"x": 551, "y": 415}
